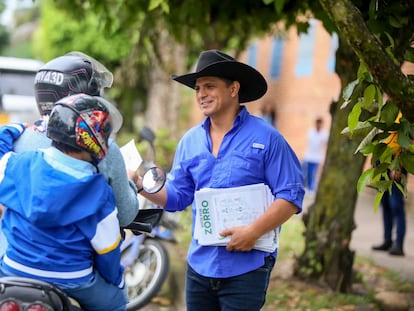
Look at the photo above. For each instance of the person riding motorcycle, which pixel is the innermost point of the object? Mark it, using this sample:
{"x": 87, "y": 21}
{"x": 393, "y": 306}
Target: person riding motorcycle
{"x": 74, "y": 73}
{"x": 60, "y": 216}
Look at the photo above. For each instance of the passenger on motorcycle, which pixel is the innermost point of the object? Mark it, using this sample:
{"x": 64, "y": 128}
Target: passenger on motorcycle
{"x": 66, "y": 75}
{"x": 75, "y": 73}
{"x": 60, "y": 216}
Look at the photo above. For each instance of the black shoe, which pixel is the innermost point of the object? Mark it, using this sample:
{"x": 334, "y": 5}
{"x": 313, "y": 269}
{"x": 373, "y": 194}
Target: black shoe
{"x": 383, "y": 247}
{"x": 396, "y": 250}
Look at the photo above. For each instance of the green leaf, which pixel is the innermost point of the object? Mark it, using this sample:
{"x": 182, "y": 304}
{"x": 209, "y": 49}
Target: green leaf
{"x": 362, "y": 129}
{"x": 364, "y": 179}
{"x": 369, "y": 95}
{"x": 380, "y": 170}
{"x": 395, "y": 164}
{"x": 404, "y": 133}
{"x": 279, "y": 4}
{"x": 377, "y": 200}
{"x": 353, "y": 117}
{"x": 409, "y": 54}
{"x": 407, "y": 161}
{"x": 390, "y": 39}
{"x": 379, "y": 150}
{"x": 403, "y": 139}
{"x": 349, "y": 89}
{"x": 410, "y": 148}
{"x": 387, "y": 154}
{"x": 362, "y": 70}
{"x": 401, "y": 188}
{"x": 389, "y": 113}
{"x": 384, "y": 185}
{"x": 366, "y": 147}
{"x": 395, "y": 22}
{"x": 153, "y": 4}
{"x": 379, "y": 97}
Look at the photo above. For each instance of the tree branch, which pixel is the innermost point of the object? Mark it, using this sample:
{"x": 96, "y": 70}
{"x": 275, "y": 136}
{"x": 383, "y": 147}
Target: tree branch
{"x": 371, "y": 51}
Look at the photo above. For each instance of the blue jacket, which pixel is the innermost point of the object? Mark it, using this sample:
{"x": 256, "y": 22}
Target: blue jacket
{"x": 60, "y": 218}
{"x": 112, "y": 167}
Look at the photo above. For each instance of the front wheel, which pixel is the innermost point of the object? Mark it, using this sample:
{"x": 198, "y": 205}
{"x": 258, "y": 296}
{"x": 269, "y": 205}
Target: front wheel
{"x": 146, "y": 275}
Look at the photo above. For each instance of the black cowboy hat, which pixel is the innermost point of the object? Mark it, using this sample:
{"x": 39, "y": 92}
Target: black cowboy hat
{"x": 218, "y": 64}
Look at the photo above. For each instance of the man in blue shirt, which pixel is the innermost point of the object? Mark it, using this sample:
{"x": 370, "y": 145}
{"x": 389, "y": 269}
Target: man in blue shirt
{"x": 231, "y": 148}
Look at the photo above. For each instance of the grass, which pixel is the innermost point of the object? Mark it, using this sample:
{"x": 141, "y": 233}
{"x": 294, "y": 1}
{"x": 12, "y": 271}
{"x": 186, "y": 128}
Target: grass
{"x": 291, "y": 238}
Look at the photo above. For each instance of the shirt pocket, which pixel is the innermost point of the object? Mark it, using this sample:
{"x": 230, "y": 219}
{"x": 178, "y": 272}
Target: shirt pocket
{"x": 247, "y": 167}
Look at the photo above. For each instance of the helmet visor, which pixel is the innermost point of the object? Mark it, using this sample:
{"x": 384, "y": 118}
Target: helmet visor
{"x": 116, "y": 116}
{"x": 100, "y": 72}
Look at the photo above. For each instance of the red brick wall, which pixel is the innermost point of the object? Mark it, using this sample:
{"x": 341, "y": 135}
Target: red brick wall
{"x": 298, "y": 100}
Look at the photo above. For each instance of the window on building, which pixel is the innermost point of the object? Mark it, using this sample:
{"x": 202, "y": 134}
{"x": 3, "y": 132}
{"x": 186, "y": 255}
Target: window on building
{"x": 276, "y": 60}
{"x": 332, "y": 53}
{"x": 252, "y": 55}
{"x": 306, "y": 51}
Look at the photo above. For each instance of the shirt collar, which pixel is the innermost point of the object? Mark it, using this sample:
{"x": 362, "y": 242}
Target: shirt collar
{"x": 240, "y": 118}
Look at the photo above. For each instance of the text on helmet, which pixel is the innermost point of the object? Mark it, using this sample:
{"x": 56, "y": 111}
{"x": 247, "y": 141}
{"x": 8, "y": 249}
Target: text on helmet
{"x": 51, "y": 77}
{"x": 89, "y": 142}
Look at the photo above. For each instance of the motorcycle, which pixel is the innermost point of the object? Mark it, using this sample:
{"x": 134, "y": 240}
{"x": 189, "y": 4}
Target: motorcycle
{"x": 144, "y": 261}
{"x": 145, "y": 258}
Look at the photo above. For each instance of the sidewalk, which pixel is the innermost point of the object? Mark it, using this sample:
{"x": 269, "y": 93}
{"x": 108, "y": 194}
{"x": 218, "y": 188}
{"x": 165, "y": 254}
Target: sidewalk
{"x": 369, "y": 232}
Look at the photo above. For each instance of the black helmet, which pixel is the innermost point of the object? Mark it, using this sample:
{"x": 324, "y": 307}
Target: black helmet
{"x": 70, "y": 74}
{"x": 84, "y": 122}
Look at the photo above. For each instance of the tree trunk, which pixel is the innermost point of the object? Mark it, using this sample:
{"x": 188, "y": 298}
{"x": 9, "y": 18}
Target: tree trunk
{"x": 329, "y": 221}
{"x": 163, "y": 93}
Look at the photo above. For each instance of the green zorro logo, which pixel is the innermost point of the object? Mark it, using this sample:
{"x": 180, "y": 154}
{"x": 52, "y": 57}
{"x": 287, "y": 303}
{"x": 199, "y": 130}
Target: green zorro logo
{"x": 205, "y": 218}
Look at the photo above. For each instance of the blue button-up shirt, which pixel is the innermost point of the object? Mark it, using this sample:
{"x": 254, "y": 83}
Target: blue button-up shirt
{"x": 251, "y": 152}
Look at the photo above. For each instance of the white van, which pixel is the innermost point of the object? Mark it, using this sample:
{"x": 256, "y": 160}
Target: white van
{"x": 17, "y": 102}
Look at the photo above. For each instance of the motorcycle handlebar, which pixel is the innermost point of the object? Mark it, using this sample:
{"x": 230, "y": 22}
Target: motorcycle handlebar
{"x": 139, "y": 227}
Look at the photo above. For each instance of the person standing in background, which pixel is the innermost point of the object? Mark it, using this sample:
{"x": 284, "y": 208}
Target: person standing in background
{"x": 317, "y": 140}
{"x": 393, "y": 203}
{"x": 393, "y": 216}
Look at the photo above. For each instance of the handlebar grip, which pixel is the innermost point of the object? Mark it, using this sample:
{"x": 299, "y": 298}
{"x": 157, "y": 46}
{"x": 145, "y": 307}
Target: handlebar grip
{"x": 141, "y": 227}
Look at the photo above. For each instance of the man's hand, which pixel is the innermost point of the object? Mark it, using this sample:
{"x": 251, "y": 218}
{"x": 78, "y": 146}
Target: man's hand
{"x": 243, "y": 238}
{"x": 395, "y": 175}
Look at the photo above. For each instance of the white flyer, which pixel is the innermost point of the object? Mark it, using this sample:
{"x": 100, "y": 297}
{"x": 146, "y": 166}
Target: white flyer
{"x": 131, "y": 155}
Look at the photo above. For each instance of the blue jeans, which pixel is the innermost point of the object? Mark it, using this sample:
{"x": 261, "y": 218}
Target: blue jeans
{"x": 393, "y": 213}
{"x": 94, "y": 295}
{"x": 310, "y": 170}
{"x": 244, "y": 292}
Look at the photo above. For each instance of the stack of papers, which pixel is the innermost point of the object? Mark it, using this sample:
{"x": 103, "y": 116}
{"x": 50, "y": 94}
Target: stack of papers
{"x": 219, "y": 209}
